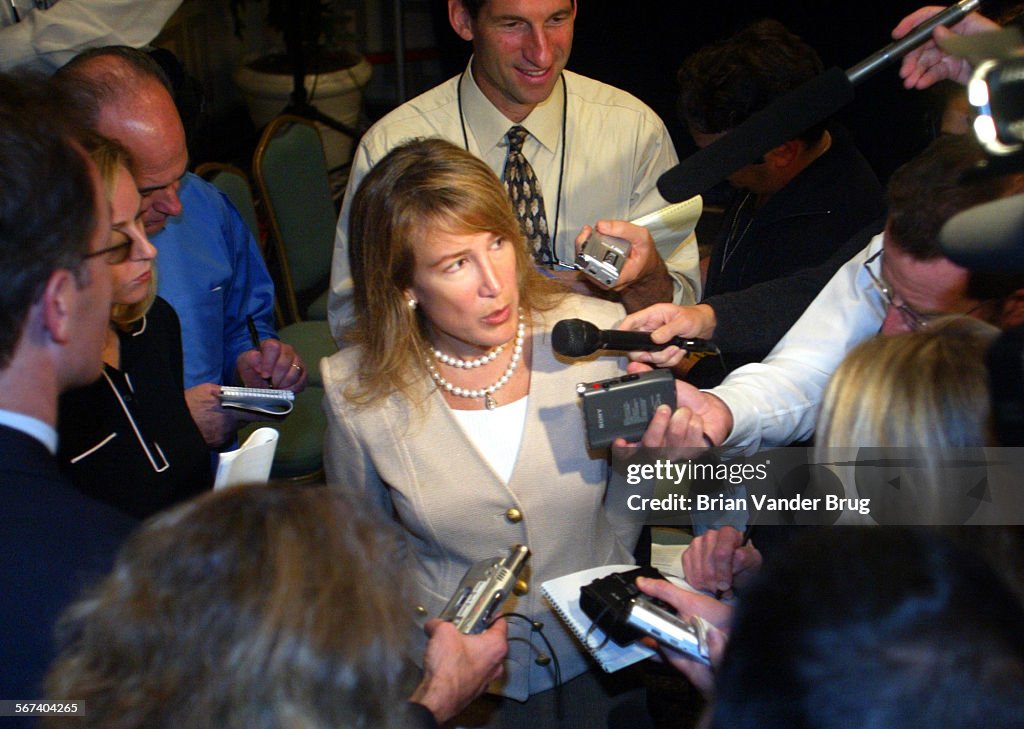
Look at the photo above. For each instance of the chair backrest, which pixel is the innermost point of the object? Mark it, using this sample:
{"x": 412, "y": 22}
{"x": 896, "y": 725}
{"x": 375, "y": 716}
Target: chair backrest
{"x": 234, "y": 183}
{"x": 291, "y": 173}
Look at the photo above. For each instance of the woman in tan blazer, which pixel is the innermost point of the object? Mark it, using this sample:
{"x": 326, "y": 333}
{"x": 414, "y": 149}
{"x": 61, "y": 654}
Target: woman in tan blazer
{"x": 452, "y": 411}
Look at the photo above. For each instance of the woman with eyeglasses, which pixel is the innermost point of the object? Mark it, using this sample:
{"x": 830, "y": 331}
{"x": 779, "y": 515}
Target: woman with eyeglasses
{"x": 128, "y": 439}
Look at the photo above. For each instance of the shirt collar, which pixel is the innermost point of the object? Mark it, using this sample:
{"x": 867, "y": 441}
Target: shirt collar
{"x": 43, "y": 432}
{"x": 488, "y": 126}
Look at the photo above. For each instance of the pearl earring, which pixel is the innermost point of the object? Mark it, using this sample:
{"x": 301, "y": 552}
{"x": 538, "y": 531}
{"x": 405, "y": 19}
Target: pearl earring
{"x": 412, "y": 303}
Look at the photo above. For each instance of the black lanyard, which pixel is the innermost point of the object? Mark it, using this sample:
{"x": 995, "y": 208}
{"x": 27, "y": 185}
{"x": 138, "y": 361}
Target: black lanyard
{"x": 561, "y": 162}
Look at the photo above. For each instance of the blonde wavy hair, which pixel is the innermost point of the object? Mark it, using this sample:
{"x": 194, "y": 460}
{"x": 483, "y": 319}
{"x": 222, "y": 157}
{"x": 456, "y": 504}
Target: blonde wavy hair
{"x": 110, "y": 158}
{"x": 923, "y": 389}
{"x": 920, "y": 397}
{"x": 422, "y": 185}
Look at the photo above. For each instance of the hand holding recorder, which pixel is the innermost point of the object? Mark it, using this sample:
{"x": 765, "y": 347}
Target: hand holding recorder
{"x": 716, "y": 617}
{"x": 484, "y": 589}
{"x": 625, "y": 614}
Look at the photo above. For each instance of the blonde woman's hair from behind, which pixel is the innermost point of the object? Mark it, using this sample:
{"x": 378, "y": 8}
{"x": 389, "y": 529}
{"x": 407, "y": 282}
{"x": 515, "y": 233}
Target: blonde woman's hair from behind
{"x": 111, "y": 158}
{"x": 422, "y": 186}
{"x": 913, "y": 401}
{"x": 254, "y": 607}
{"x": 925, "y": 389}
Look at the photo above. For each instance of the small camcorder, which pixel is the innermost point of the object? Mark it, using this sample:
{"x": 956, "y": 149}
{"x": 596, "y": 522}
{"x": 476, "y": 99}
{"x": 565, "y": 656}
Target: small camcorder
{"x": 623, "y": 406}
{"x": 483, "y": 590}
{"x": 624, "y": 614}
{"x": 602, "y": 258}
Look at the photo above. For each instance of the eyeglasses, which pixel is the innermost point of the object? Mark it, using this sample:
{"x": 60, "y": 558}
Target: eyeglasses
{"x": 114, "y": 254}
{"x": 915, "y": 320}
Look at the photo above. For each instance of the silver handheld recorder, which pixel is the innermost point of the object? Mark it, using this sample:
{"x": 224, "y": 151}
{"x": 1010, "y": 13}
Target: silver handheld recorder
{"x": 602, "y": 258}
{"x": 483, "y": 589}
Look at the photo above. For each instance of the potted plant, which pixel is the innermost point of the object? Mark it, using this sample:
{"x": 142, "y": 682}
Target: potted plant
{"x": 312, "y": 43}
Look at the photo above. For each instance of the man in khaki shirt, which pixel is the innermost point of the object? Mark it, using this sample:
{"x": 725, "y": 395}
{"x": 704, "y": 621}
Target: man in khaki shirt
{"x": 596, "y": 150}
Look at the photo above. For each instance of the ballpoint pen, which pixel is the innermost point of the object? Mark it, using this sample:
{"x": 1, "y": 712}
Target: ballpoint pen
{"x": 254, "y": 335}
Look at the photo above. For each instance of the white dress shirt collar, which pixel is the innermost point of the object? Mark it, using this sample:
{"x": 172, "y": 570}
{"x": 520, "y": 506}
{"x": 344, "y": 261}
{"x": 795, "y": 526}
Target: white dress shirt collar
{"x": 43, "y": 432}
{"x": 487, "y": 127}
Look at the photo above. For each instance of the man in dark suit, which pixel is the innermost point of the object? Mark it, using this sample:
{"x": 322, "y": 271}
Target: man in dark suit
{"x": 55, "y": 293}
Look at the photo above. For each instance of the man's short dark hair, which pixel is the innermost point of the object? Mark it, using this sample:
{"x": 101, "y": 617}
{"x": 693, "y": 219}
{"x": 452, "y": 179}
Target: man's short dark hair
{"x": 47, "y": 214}
{"x": 928, "y": 190}
{"x": 726, "y": 82}
{"x": 473, "y": 7}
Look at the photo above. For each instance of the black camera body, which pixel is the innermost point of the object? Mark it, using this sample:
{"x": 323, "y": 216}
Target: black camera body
{"x": 618, "y": 608}
{"x": 623, "y": 406}
{"x": 607, "y": 601}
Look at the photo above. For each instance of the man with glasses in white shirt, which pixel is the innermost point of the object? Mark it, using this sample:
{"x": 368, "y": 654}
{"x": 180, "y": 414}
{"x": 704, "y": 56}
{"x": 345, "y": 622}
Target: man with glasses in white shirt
{"x": 898, "y": 283}
{"x": 595, "y": 151}
{"x": 900, "y": 316}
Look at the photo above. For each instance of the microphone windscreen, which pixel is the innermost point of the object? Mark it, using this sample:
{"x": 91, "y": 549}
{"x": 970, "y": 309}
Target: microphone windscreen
{"x": 785, "y": 118}
{"x": 575, "y": 338}
{"x": 988, "y": 237}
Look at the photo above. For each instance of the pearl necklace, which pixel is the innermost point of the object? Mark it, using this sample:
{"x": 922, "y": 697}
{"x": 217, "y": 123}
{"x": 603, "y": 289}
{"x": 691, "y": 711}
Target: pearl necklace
{"x": 487, "y": 393}
{"x": 468, "y": 363}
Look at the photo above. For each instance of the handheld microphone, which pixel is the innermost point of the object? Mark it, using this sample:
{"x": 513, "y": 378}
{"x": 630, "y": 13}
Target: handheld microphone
{"x": 917, "y": 36}
{"x": 791, "y": 114}
{"x": 578, "y": 338}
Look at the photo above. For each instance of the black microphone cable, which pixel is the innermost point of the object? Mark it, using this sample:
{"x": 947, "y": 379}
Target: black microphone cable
{"x": 542, "y": 659}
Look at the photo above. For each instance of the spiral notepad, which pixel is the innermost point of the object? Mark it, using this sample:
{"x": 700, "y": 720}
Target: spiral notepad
{"x": 564, "y": 595}
{"x": 670, "y": 225}
{"x": 258, "y": 399}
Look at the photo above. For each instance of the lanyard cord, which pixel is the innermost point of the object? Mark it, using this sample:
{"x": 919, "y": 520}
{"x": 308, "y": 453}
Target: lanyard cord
{"x": 561, "y": 161}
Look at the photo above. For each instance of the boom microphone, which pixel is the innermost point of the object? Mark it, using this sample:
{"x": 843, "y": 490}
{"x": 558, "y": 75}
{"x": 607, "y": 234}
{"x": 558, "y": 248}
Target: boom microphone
{"x": 782, "y": 120}
{"x": 578, "y": 338}
{"x": 791, "y": 114}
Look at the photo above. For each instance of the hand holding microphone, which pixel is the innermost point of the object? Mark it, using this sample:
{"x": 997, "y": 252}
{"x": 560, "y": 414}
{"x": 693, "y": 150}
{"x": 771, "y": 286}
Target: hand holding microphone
{"x": 665, "y": 322}
{"x": 578, "y": 338}
{"x": 803, "y": 107}
{"x": 927, "y": 64}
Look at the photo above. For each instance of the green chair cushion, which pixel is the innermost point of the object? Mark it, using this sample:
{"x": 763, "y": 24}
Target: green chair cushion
{"x": 300, "y": 445}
